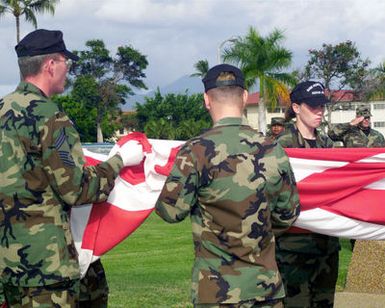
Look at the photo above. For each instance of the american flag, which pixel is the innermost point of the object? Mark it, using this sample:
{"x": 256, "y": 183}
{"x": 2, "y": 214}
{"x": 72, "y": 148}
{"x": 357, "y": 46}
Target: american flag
{"x": 341, "y": 194}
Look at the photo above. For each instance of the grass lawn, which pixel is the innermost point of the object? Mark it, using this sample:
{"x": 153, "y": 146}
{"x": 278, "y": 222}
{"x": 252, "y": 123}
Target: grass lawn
{"x": 152, "y": 267}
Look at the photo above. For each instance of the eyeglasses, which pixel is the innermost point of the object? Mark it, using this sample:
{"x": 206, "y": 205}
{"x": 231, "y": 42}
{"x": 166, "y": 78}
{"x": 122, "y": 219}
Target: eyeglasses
{"x": 67, "y": 61}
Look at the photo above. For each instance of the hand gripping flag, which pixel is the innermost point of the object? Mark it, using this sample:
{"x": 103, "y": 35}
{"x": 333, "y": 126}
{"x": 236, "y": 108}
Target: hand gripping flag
{"x": 341, "y": 194}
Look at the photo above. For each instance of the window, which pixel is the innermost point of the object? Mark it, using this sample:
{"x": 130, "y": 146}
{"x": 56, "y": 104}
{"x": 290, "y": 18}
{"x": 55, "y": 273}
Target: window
{"x": 379, "y": 124}
{"x": 276, "y": 110}
{"x": 379, "y": 106}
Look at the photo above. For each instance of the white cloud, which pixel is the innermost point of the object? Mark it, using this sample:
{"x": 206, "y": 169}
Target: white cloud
{"x": 176, "y": 34}
{"x": 149, "y": 12}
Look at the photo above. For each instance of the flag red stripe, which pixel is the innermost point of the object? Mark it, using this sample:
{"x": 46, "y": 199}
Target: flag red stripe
{"x": 366, "y": 205}
{"x": 108, "y": 225}
{"x": 334, "y": 154}
{"x": 133, "y": 174}
{"x": 335, "y": 184}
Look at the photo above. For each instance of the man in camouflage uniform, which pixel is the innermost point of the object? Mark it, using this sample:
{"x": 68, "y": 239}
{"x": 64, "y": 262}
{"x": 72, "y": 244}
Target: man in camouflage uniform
{"x": 307, "y": 261}
{"x": 42, "y": 174}
{"x": 277, "y": 128}
{"x": 238, "y": 188}
{"x": 358, "y": 132}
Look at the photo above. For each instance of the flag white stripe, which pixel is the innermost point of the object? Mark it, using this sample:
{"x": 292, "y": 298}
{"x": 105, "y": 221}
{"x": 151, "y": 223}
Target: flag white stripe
{"x": 339, "y": 226}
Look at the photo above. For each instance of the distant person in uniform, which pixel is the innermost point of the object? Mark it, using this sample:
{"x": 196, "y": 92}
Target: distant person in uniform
{"x": 277, "y": 127}
{"x": 42, "y": 175}
{"x": 358, "y": 132}
{"x": 239, "y": 188}
{"x": 307, "y": 261}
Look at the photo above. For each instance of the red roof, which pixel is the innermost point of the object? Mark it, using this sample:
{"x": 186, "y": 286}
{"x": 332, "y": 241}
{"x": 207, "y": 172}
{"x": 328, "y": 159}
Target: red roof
{"x": 343, "y": 96}
{"x": 253, "y": 99}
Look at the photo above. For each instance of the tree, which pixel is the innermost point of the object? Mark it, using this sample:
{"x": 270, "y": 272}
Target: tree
{"x": 201, "y": 68}
{"x": 378, "y": 84}
{"x": 84, "y": 118}
{"x": 262, "y": 60}
{"x": 160, "y": 129}
{"x": 28, "y": 8}
{"x": 337, "y": 66}
{"x": 173, "y": 116}
{"x": 103, "y": 82}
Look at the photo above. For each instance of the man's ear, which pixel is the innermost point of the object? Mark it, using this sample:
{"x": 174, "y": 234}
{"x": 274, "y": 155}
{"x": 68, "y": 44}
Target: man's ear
{"x": 48, "y": 66}
{"x": 245, "y": 97}
{"x": 207, "y": 101}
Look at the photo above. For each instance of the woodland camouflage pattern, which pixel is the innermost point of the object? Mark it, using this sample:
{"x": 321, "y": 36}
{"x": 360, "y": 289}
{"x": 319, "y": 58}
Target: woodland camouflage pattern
{"x": 94, "y": 287}
{"x": 2, "y": 298}
{"x": 238, "y": 188}
{"x": 355, "y": 136}
{"x": 42, "y": 176}
{"x": 292, "y": 138}
{"x": 308, "y": 262}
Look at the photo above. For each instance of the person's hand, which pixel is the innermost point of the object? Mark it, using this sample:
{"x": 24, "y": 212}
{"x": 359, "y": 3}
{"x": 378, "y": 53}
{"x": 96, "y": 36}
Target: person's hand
{"x": 131, "y": 153}
{"x": 356, "y": 121}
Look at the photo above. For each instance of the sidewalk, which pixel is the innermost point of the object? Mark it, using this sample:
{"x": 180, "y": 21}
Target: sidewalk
{"x": 358, "y": 300}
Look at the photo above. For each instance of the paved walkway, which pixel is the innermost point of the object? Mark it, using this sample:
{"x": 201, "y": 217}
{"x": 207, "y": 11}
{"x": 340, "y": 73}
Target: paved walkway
{"x": 358, "y": 300}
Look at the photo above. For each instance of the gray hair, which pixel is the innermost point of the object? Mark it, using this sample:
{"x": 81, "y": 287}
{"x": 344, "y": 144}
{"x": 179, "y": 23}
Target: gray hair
{"x": 31, "y": 65}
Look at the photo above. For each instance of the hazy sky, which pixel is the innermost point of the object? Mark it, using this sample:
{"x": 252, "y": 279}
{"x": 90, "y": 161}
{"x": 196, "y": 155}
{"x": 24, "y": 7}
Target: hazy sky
{"x": 176, "y": 34}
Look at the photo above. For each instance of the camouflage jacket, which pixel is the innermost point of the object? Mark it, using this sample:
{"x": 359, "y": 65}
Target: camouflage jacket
{"x": 270, "y": 134}
{"x": 42, "y": 174}
{"x": 354, "y": 137}
{"x": 292, "y": 138}
{"x": 237, "y": 187}
{"x": 306, "y": 243}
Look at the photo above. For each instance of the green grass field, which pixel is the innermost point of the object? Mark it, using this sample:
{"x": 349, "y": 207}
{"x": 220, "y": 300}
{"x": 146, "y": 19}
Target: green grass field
{"x": 152, "y": 267}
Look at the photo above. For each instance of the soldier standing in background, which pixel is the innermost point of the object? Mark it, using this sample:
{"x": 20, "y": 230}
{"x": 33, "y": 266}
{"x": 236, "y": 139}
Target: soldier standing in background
{"x": 277, "y": 127}
{"x": 42, "y": 174}
{"x": 307, "y": 261}
{"x": 358, "y": 132}
{"x": 238, "y": 187}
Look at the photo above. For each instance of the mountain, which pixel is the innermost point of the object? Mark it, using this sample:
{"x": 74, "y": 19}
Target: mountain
{"x": 185, "y": 83}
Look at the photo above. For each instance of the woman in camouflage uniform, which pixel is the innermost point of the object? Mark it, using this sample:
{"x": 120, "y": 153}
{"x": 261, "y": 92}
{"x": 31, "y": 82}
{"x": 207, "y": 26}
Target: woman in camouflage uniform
{"x": 307, "y": 261}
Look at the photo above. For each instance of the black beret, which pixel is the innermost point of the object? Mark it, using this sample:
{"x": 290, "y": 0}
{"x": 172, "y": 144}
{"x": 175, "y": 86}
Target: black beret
{"x": 210, "y": 81}
{"x": 42, "y": 42}
{"x": 309, "y": 92}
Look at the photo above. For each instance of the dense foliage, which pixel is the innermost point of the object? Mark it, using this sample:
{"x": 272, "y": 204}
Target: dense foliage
{"x": 173, "y": 116}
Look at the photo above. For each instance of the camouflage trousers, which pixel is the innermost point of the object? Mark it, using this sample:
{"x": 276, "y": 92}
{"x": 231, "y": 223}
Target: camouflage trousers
{"x": 60, "y": 295}
{"x": 309, "y": 278}
{"x": 2, "y": 298}
{"x": 277, "y": 303}
{"x": 94, "y": 287}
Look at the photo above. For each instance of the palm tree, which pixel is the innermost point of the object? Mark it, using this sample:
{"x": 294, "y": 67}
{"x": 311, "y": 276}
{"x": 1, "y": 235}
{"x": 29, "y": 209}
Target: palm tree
{"x": 201, "y": 67}
{"x": 28, "y": 8}
{"x": 262, "y": 60}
